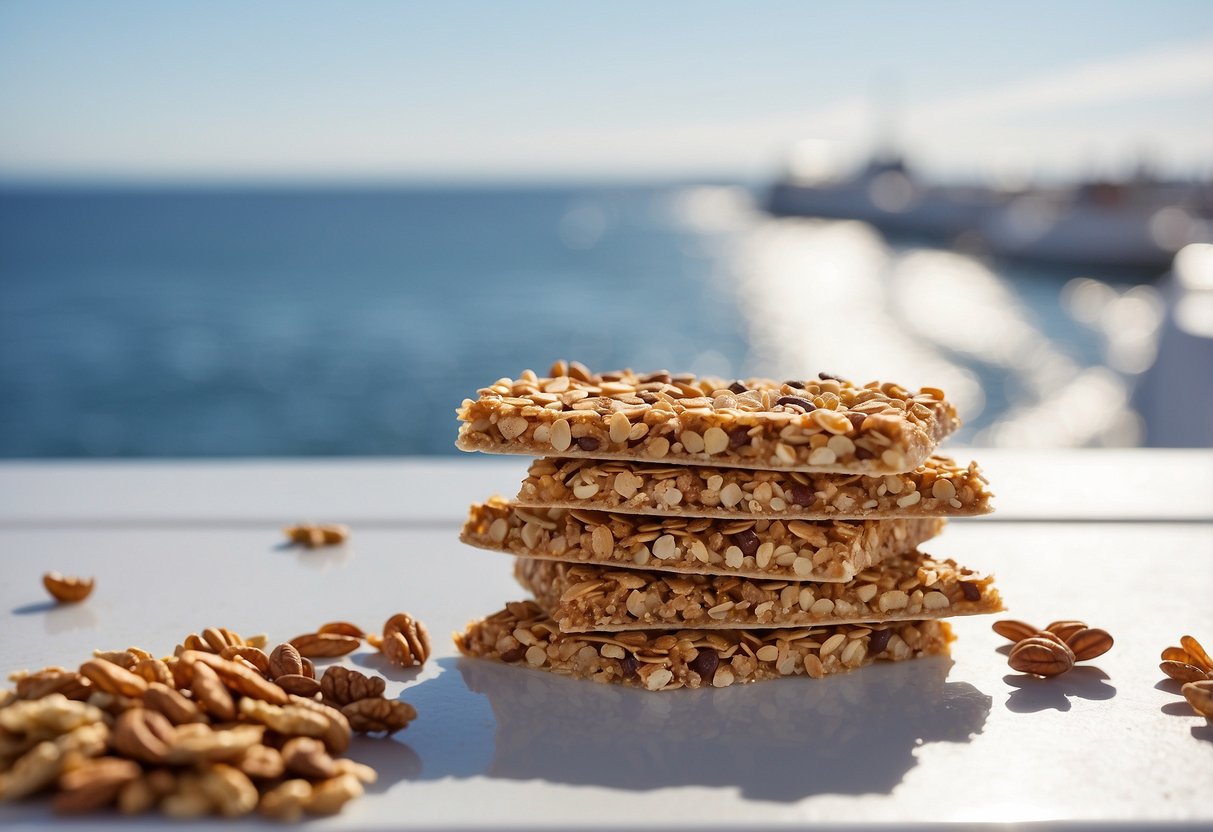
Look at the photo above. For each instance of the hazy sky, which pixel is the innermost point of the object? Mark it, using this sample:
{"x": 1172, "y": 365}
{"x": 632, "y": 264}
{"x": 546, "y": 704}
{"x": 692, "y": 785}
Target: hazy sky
{"x": 524, "y": 90}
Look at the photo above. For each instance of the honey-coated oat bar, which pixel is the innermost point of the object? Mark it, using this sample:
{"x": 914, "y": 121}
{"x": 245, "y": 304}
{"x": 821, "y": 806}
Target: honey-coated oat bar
{"x": 824, "y": 424}
{"x": 523, "y": 634}
{"x": 584, "y": 597}
{"x": 803, "y": 550}
{"x": 937, "y": 488}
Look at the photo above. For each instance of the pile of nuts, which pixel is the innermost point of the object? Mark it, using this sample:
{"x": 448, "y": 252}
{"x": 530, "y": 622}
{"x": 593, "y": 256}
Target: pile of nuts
{"x": 1053, "y": 650}
{"x": 220, "y": 727}
{"x": 1191, "y": 665}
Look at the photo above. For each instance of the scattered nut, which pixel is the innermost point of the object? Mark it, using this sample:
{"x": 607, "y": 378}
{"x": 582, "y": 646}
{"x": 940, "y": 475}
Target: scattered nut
{"x": 405, "y": 640}
{"x": 1196, "y": 653}
{"x": 341, "y": 686}
{"x": 1055, "y": 649}
{"x": 1089, "y": 643}
{"x": 298, "y": 684}
{"x": 67, "y": 590}
{"x": 286, "y": 802}
{"x": 94, "y": 784}
{"x": 1200, "y": 697}
{"x": 284, "y": 660}
{"x": 1041, "y": 657}
{"x": 1183, "y": 672}
{"x": 342, "y": 628}
{"x": 1014, "y": 630}
{"x": 379, "y": 715}
{"x": 325, "y": 645}
{"x": 306, "y": 757}
{"x": 312, "y": 535}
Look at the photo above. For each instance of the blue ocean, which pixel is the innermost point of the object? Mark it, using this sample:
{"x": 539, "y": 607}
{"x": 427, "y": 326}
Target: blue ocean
{"x": 290, "y": 321}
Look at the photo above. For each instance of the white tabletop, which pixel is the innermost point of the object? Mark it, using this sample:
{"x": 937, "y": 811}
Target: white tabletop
{"x": 1122, "y": 539}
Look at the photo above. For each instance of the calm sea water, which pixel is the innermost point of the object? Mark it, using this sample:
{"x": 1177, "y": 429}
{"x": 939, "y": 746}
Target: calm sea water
{"x": 170, "y": 323}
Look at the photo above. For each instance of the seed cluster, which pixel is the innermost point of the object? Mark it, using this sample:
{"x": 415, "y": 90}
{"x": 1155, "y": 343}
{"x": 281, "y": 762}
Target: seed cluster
{"x": 694, "y": 532}
{"x": 220, "y": 727}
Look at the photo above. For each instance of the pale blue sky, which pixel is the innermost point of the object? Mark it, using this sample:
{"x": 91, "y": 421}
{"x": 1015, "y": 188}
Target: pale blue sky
{"x": 521, "y": 90}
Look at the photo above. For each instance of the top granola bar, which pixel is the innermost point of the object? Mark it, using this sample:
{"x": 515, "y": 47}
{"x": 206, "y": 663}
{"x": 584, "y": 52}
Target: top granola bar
{"x": 826, "y": 424}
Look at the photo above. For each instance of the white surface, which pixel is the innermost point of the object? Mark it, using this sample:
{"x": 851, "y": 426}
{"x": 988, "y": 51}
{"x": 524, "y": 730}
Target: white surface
{"x": 927, "y": 741}
{"x": 1049, "y": 485}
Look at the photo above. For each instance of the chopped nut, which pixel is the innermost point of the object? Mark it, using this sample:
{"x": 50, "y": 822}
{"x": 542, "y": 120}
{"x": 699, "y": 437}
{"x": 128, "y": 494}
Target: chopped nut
{"x": 67, "y": 590}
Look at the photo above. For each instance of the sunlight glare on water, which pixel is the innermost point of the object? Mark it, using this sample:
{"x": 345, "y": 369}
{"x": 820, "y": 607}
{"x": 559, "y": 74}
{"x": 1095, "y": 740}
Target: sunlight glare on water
{"x": 836, "y": 296}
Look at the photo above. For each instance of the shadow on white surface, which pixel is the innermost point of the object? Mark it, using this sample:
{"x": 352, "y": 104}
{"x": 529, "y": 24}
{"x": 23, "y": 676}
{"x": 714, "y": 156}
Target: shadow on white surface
{"x": 1033, "y": 693}
{"x": 779, "y": 741}
{"x": 59, "y": 618}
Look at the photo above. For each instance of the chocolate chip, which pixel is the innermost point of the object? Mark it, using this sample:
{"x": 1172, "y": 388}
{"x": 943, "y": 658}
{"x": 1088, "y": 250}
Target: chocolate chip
{"x": 747, "y": 542}
{"x": 799, "y": 384}
{"x": 827, "y": 376}
{"x": 799, "y": 402}
{"x": 705, "y": 663}
{"x": 878, "y": 641}
{"x": 801, "y": 495}
{"x": 587, "y": 443}
{"x": 857, "y": 419}
{"x": 737, "y": 387}
{"x": 971, "y": 591}
{"x": 629, "y": 665}
{"x": 514, "y": 655}
{"x": 739, "y": 436}
{"x": 863, "y": 453}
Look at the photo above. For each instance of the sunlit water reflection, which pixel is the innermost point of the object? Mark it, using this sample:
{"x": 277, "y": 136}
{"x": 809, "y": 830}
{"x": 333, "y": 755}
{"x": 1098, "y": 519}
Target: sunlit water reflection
{"x": 836, "y": 295}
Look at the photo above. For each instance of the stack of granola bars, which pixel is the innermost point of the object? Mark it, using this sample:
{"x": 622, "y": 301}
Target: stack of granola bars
{"x": 684, "y": 532}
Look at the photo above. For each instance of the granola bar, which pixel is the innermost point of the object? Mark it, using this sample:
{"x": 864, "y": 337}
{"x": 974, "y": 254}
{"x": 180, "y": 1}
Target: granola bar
{"x": 583, "y": 597}
{"x": 662, "y": 660}
{"x": 938, "y": 488}
{"x": 822, "y": 424}
{"x": 799, "y": 550}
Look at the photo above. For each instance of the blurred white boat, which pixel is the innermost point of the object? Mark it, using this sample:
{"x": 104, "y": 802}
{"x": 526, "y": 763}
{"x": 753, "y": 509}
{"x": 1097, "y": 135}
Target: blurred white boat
{"x": 1139, "y": 224}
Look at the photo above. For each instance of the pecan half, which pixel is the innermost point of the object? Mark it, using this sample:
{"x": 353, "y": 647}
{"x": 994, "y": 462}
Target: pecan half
{"x": 1041, "y": 657}
{"x": 341, "y": 686}
{"x": 325, "y": 645}
{"x": 376, "y": 715}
